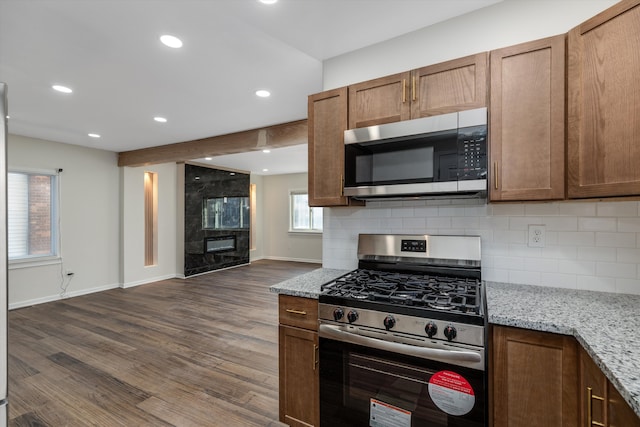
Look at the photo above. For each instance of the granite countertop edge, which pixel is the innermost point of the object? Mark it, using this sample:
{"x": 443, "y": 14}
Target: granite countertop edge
{"x": 605, "y": 324}
{"x": 307, "y": 285}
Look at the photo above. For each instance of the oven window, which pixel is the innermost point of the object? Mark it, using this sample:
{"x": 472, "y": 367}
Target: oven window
{"x": 360, "y": 386}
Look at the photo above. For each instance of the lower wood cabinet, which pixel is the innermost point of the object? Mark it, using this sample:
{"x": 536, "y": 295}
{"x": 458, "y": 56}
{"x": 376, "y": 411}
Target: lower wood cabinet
{"x": 534, "y": 378}
{"x": 545, "y": 379}
{"x": 600, "y": 402}
{"x": 298, "y": 361}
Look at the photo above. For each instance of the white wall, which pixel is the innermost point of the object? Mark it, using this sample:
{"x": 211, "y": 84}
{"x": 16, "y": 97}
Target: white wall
{"x": 278, "y": 242}
{"x": 503, "y": 24}
{"x": 132, "y": 248}
{"x": 89, "y": 220}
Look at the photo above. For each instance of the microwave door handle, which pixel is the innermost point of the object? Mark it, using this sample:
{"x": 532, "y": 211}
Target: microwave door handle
{"x": 336, "y": 333}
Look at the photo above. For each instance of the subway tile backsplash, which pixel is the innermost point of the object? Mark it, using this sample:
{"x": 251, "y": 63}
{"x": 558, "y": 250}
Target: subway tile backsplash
{"x": 588, "y": 245}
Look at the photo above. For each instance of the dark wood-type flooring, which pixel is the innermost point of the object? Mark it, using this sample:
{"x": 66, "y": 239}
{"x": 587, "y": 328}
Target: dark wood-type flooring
{"x": 196, "y": 352}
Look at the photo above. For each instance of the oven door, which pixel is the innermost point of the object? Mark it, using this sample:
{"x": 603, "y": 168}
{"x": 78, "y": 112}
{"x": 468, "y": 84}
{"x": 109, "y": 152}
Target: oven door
{"x": 366, "y": 386}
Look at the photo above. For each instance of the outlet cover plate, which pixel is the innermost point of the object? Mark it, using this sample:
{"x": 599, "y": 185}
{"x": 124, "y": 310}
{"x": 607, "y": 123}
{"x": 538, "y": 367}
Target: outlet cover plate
{"x": 536, "y": 236}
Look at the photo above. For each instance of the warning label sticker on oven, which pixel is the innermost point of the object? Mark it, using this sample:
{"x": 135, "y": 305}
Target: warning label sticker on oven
{"x": 451, "y": 392}
{"x": 385, "y": 415}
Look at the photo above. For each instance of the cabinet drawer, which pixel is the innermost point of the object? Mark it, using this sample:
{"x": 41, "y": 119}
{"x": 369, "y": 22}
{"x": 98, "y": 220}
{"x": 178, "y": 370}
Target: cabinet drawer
{"x": 298, "y": 311}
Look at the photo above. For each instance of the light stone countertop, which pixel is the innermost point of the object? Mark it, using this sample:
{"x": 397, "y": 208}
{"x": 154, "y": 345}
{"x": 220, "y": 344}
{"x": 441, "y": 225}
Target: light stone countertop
{"x": 307, "y": 285}
{"x": 606, "y": 325}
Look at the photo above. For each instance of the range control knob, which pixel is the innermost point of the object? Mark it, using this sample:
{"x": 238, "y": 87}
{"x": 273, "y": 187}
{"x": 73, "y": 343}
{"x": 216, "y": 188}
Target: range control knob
{"x": 338, "y": 314}
{"x": 352, "y": 316}
{"x": 431, "y": 329}
{"x": 450, "y": 332}
{"x": 389, "y": 322}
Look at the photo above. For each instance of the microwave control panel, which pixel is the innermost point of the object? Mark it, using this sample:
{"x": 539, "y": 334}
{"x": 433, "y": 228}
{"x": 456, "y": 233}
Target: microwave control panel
{"x": 472, "y": 153}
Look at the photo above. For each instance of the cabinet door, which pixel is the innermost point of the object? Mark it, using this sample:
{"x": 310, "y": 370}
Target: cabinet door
{"x": 534, "y": 379}
{"x": 593, "y": 392}
{"x": 600, "y": 402}
{"x": 299, "y": 379}
{"x": 603, "y": 111}
{"x": 527, "y": 121}
{"x": 379, "y": 101}
{"x": 460, "y": 84}
{"x": 620, "y": 413}
{"x": 327, "y": 122}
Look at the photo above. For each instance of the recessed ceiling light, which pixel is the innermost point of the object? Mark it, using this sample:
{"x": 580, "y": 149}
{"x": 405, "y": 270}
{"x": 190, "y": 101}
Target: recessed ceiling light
{"x": 266, "y": 151}
{"x": 197, "y": 178}
{"x": 232, "y": 173}
{"x": 268, "y": 1}
{"x": 160, "y": 119}
{"x": 265, "y": 170}
{"x": 263, "y": 93}
{"x": 171, "y": 41}
{"x": 62, "y": 89}
{"x": 94, "y": 135}
{"x": 208, "y": 158}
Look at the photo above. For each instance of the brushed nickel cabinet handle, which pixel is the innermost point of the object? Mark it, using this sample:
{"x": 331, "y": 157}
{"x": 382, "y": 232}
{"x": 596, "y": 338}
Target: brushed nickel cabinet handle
{"x": 300, "y": 312}
{"x": 590, "y": 398}
{"x": 495, "y": 175}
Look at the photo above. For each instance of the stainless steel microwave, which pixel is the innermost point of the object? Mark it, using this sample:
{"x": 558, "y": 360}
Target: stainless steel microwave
{"x": 443, "y": 155}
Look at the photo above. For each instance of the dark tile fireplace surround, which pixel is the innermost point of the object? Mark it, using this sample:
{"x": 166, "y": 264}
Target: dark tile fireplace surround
{"x": 208, "y": 247}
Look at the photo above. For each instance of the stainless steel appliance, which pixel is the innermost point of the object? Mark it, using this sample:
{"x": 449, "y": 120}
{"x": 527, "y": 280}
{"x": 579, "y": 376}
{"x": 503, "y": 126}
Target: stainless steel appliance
{"x": 403, "y": 337}
{"x": 426, "y": 157}
{"x": 3, "y": 255}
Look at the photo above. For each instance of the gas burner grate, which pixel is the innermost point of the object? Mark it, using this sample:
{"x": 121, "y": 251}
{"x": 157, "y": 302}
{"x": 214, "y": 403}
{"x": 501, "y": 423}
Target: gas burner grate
{"x": 446, "y": 293}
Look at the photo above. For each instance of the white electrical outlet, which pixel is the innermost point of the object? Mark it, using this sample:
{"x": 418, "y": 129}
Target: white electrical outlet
{"x": 536, "y": 236}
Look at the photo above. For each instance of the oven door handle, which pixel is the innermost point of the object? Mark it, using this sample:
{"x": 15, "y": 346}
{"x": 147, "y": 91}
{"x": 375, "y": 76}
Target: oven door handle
{"x": 336, "y": 333}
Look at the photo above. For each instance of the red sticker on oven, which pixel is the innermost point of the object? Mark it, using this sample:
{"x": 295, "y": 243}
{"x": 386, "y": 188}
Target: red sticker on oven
{"x": 451, "y": 392}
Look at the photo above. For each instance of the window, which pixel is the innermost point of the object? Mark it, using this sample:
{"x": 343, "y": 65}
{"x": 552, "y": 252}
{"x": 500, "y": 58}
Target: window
{"x": 32, "y": 215}
{"x": 303, "y": 217}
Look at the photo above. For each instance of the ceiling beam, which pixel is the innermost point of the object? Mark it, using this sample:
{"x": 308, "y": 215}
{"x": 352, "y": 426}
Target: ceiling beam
{"x": 282, "y": 135}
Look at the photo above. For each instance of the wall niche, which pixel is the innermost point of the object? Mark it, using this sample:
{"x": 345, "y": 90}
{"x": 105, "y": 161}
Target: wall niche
{"x": 216, "y": 219}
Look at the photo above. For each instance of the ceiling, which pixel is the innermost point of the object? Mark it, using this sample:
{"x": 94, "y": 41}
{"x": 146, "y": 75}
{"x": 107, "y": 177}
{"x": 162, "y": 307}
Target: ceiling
{"x": 109, "y": 53}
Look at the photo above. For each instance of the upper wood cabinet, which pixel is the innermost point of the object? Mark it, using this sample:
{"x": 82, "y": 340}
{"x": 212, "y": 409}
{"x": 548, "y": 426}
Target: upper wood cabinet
{"x": 460, "y": 84}
{"x": 527, "y": 119}
{"x": 327, "y": 121}
{"x": 603, "y": 108}
{"x": 379, "y": 101}
{"x": 534, "y": 378}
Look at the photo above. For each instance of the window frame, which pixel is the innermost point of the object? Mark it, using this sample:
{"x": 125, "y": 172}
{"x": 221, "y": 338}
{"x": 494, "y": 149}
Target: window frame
{"x": 55, "y": 257}
{"x": 298, "y": 192}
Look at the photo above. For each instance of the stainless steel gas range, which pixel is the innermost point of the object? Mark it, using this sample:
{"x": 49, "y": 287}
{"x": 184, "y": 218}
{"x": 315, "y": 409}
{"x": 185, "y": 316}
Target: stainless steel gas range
{"x": 403, "y": 337}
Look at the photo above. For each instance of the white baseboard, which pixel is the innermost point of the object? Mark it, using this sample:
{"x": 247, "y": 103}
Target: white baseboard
{"x": 57, "y": 297}
{"x": 277, "y": 258}
{"x": 145, "y": 281}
